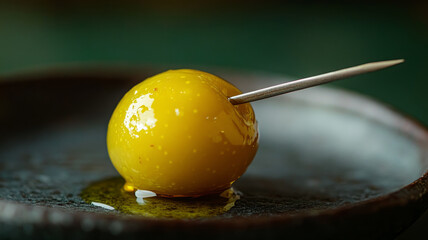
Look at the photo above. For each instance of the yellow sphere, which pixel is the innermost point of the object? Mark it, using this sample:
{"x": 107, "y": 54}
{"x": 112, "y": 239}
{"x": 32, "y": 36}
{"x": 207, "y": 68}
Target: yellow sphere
{"x": 176, "y": 134}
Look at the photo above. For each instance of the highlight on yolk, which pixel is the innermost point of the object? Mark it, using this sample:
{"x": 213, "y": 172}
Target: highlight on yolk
{"x": 177, "y": 134}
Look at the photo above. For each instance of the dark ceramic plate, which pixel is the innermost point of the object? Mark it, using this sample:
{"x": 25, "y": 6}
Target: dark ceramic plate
{"x": 331, "y": 164}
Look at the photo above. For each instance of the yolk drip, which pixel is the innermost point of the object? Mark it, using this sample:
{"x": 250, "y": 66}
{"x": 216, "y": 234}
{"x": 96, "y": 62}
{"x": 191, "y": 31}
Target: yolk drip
{"x": 176, "y": 134}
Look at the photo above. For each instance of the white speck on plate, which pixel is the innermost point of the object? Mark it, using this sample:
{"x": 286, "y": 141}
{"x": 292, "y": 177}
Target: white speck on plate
{"x": 102, "y": 205}
{"x": 144, "y": 194}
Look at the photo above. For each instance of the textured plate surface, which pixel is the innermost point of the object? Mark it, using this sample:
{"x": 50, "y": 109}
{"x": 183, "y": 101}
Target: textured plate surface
{"x": 330, "y": 163}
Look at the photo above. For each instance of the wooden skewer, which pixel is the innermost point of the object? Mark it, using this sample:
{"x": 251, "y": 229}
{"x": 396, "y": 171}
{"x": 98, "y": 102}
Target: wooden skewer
{"x": 311, "y": 81}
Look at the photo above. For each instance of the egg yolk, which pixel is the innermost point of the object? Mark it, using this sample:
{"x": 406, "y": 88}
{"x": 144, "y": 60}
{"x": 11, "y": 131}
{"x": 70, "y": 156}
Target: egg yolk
{"x": 177, "y": 134}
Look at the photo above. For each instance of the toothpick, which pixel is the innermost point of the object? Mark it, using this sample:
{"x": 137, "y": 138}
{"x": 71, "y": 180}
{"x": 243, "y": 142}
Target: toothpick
{"x": 311, "y": 81}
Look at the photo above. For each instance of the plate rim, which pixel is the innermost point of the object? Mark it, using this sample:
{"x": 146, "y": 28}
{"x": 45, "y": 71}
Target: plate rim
{"x": 413, "y": 193}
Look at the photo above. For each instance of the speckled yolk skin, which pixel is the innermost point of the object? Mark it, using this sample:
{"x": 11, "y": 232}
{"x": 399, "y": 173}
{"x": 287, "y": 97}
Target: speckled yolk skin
{"x": 176, "y": 134}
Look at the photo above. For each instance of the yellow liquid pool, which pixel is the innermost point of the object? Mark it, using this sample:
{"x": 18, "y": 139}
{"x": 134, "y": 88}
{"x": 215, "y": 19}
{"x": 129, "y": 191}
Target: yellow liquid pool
{"x": 111, "y": 192}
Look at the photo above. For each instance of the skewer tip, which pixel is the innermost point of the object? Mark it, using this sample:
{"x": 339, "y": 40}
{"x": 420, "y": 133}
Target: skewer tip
{"x": 375, "y": 66}
{"x": 396, "y": 61}
{"x": 388, "y": 63}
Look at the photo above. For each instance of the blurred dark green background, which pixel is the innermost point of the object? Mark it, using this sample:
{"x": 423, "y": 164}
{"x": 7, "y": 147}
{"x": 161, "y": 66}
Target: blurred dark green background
{"x": 292, "y": 38}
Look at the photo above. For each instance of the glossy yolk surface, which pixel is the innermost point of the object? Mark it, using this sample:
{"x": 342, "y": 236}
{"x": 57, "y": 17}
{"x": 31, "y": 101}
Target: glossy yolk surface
{"x": 176, "y": 134}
